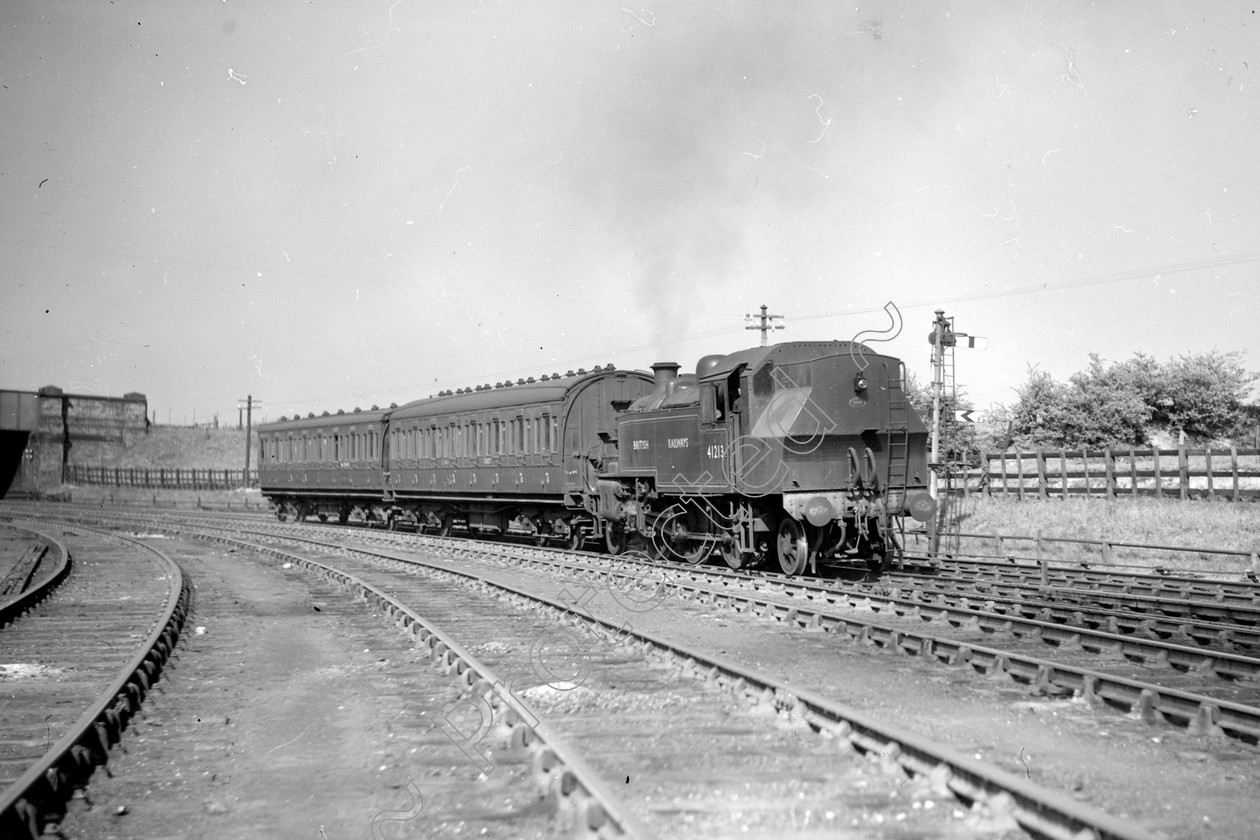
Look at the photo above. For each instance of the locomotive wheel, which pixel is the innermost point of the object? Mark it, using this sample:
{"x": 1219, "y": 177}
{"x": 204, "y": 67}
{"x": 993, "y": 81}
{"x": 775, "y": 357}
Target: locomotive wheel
{"x": 734, "y": 558}
{"x": 323, "y": 517}
{"x": 615, "y": 538}
{"x": 793, "y": 546}
{"x": 576, "y": 538}
{"x": 677, "y": 542}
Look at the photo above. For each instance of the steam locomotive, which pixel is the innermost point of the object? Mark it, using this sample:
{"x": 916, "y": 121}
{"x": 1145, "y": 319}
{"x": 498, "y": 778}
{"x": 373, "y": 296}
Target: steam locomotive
{"x": 799, "y": 453}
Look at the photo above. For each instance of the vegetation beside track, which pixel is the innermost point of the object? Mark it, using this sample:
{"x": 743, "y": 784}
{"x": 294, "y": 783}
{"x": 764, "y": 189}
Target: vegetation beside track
{"x": 128, "y": 497}
{"x": 1157, "y": 522}
{"x": 1223, "y": 526}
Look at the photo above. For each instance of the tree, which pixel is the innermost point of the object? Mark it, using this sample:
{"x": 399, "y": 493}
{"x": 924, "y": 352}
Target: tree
{"x": 1203, "y": 394}
{"x": 1123, "y": 404}
{"x": 1038, "y": 416}
{"x": 956, "y": 437}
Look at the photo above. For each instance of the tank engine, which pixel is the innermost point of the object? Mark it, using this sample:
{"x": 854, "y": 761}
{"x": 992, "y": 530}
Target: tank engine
{"x": 802, "y": 452}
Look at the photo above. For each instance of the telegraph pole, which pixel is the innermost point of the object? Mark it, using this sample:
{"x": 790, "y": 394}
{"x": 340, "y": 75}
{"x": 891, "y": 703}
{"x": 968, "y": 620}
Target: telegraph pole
{"x": 248, "y": 404}
{"x": 763, "y": 323}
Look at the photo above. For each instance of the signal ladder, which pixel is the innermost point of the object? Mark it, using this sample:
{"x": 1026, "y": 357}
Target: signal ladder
{"x": 897, "y": 469}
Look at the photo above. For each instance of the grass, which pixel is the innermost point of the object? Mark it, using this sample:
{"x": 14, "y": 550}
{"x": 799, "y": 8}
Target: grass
{"x": 1152, "y": 522}
{"x": 140, "y": 497}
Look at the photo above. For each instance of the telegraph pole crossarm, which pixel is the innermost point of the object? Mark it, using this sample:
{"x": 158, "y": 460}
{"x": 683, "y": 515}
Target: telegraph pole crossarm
{"x": 763, "y": 323}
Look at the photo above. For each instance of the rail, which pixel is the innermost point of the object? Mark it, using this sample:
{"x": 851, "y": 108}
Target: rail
{"x": 42, "y": 790}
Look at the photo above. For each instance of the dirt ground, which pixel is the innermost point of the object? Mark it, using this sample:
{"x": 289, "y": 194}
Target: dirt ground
{"x": 290, "y": 711}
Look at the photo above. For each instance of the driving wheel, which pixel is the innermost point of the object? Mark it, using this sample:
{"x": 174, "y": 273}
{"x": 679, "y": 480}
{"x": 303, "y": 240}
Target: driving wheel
{"x": 793, "y": 546}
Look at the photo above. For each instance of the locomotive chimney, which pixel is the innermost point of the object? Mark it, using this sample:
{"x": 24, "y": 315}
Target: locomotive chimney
{"x": 664, "y": 372}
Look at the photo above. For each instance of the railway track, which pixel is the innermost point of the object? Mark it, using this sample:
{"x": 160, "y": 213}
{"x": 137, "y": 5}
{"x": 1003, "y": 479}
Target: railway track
{"x": 932, "y": 771}
{"x": 1208, "y": 692}
{"x": 792, "y": 607}
{"x": 1092, "y": 578}
{"x": 78, "y": 665}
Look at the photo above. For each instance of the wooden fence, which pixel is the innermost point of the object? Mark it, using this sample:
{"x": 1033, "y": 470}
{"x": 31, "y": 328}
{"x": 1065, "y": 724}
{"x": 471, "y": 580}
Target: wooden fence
{"x": 1231, "y": 474}
{"x": 171, "y": 479}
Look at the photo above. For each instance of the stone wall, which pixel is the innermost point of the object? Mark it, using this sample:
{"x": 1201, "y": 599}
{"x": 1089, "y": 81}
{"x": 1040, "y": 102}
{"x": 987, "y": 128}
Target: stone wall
{"x": 97, "y": 427}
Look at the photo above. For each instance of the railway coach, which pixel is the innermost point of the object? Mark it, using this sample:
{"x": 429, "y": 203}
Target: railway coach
{"x": 509, "y": 459}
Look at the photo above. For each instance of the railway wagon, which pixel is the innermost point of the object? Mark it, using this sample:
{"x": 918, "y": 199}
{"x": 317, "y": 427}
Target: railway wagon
{"x": 801, "y": 451}
{"x": 519, "y": 459}
{"x": 328, "y": 465}
{"x": 514, "y": 458}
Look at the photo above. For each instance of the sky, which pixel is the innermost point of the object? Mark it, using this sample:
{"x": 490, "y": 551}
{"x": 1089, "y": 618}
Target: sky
{"x": 328, "y": 205}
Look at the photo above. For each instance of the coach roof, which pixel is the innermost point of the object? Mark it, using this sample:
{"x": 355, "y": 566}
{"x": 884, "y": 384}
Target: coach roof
{"x": 325, "y": 420}
{"x": 505, "y": 396}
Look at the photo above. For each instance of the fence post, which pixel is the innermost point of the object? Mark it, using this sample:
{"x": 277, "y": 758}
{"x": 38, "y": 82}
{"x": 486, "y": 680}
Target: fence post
{"x": 1159, "y": 479}
{"x": 1005, "y": 482}
{"x": 1183, "y": 471}
{"x": 1063, "y": 471}
{"x": 1207, "y": 455}
{"x": 1106, "y": 550}
{"x": 1133, "y": 472}
{"x": 1233, "y": 468}
{"x": 1041, "y": 473}
{"x": 1085, "y": 469}
{"x": 1109, "y": 465}
{"x": 1019, "y": 475}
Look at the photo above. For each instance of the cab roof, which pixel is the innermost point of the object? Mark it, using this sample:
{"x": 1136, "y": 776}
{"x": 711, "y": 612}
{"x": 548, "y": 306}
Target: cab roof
{"x": 787, "y": 352}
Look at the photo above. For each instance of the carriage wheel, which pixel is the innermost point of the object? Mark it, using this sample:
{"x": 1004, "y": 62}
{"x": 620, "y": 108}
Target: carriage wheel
{"x": 678, "y": 543}
{"x": 793, "y": 546}
{"x": 615, "y": 538}
{"x": 448, "y": 522}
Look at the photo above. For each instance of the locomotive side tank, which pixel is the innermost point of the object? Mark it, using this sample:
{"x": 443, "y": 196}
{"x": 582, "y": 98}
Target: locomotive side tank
{"x": 804, "y": 451}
